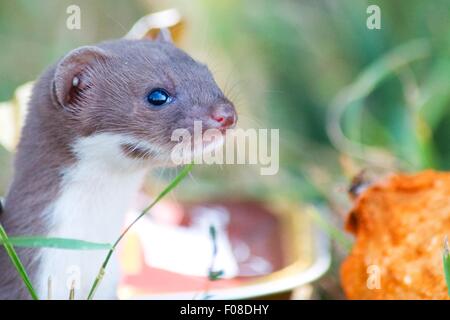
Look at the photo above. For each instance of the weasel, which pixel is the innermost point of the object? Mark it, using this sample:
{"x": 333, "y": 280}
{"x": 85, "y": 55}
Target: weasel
{"x": 98, "y": 120}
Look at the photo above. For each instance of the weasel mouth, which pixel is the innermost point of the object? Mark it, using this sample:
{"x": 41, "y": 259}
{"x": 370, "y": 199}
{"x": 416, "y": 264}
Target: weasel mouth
{"x": 137, "y": 152}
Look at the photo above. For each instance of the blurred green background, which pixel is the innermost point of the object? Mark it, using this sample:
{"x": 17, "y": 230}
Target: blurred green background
{"x": 309, "y": 68}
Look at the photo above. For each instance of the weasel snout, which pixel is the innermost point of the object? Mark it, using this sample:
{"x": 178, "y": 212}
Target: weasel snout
{"x": 223, "y": 116}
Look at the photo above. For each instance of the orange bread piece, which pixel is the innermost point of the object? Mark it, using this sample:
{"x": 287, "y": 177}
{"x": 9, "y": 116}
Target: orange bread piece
{"x": 400, "y": 225}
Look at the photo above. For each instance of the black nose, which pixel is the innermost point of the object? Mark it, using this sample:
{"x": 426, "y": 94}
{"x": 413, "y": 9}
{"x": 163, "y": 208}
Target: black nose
{"x": 224, "y": 115}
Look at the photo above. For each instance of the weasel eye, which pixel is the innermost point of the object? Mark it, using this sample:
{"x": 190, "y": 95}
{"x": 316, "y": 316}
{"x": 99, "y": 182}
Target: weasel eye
{"x": 158, "y": 97}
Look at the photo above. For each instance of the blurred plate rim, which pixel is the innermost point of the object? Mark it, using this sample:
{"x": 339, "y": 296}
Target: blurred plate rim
{"x": 283, "y": 283}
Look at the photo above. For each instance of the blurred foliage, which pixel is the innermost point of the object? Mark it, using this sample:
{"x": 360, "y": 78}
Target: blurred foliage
{"x": 309, "y": 51}
{"x": 5, "y": 173}
{"x": 33, "y": 34}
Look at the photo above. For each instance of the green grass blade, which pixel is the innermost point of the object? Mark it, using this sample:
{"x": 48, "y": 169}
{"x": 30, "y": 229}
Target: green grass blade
{"x": 17, "y": 263}
{"x": 333, "y": 232}
{"x": 387, "y": 65}
{"x": 169, "y": 188}
{"x": 57, "y": 243}
{"x": 446, "y": 259}
{"x": 368, "y": 80}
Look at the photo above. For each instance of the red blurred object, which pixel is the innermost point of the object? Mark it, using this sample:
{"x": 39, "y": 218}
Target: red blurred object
{"x": 262, "y": 248}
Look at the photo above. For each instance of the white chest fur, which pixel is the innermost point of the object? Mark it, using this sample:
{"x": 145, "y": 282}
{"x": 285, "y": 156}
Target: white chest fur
{"x": 95, "y": 194}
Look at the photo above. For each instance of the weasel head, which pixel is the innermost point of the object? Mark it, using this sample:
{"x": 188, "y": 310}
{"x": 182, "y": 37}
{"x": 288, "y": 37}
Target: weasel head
{"x": 141, "y": 90}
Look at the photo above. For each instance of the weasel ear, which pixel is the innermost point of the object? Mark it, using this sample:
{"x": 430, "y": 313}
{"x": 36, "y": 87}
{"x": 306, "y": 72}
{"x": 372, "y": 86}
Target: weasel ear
{"x": 71, "y": 76}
